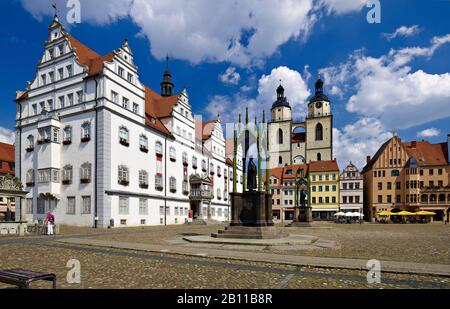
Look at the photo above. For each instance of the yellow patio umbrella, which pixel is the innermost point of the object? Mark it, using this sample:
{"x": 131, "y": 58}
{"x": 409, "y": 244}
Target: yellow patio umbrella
{"x": 425, "y": 213}
{"x": 404, "y": 213}
{"x": 385, "y": 213}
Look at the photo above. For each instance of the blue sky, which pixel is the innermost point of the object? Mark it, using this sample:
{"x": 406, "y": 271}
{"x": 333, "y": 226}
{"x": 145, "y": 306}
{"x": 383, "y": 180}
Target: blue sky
{"x": 377, "y": 84}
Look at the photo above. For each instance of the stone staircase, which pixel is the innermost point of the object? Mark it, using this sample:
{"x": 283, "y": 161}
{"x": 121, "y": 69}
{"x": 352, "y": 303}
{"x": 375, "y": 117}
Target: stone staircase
{"x": 250, "y": 232}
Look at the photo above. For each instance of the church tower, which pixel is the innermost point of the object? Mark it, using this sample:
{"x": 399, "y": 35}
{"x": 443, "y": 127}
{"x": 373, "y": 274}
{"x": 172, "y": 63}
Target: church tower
{"x": 319, "y": 127}
{"x": 279, "y": 129}
{"x": 167, "y": 84}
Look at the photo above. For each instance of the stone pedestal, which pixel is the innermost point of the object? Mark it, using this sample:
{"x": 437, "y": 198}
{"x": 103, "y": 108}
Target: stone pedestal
{"x": 302, "y": 217}
{"x": 251, "y": 217}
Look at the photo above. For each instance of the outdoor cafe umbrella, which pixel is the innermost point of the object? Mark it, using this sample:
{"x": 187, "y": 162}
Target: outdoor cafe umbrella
{"x": 349, "y": 214}
{"x": 404, "y": 213}
{"x": 425, "y": 213}
{"x": 358, "y": 214}
{"x": 339, "y": 214}
{"x": 385, "y": 213}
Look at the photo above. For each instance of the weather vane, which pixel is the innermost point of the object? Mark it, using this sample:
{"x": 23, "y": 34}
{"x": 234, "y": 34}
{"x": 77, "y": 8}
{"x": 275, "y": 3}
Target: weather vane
{"x": 55, "y": 8}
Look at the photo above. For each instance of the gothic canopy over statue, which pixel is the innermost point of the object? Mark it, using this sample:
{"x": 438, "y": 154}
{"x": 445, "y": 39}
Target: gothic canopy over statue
{"x": 9, "y": 182}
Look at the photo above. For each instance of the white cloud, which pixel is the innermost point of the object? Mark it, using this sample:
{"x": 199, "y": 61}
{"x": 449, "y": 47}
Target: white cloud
{"x": 7, "y": 136}
{"x": 402, "y": 31}
{"x": 429, "y": 132}
{"x": 342, "y": 6}
{"x": 240, "y": 32}
{"x": 358, "y": 140}
{"x": 386, "y": 89}
{"x": 296, "y": 91}
{"x": 230, "y": 76}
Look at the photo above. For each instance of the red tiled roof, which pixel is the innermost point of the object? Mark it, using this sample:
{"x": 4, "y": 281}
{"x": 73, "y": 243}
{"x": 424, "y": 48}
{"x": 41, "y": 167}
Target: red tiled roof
{"x": 203, "y": 130}
{"x": 153, "y": 110}
{"x": 229, "y": 162}
{"x": 229, "y": 146}
{"x": 426, "y": 153}
{"x": 294, "y": 168}
{"x": 7, "y": 155}
{"x": 88, "y": 57}
{"x": 299, "y": 137}
{"x": 323, "y": 166}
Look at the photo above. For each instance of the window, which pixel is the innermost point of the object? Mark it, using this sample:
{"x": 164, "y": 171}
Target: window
{"x": 172, "y": 154}
{"x": 50, "y": 105}
{"x": 158, "y": 182}
{"x": 55, "y": 135}
{"x": 319, "y": 157}
{"x": 130, "y": 77}
{"x": 69, "y": 70}
{"x": 61, "y": 49}
{"x": 398, "y": 199}
{"x": 121, "y": 72}
{"x": 34, "y": 109}
{"x": 280, "y": 160}
{"x": 51, "y": 53}
{"x": 194, "y": 162}
{"x": 143, "y": 206}
{"x": 79, "y": 97}
{"x": 123, "y": 175}
{"x": 314, "y": 200}
{"x": 334, "y": 188}
{"x": 158, "y": 148}
{"x": 333, "y": 199}
{"x": 389, "y": 185}
{"x": 173, "y": 184}
{"x": 29, "y": 209}
{"x": 40, "y": 206}
{"x": 67, "y": 135}
{"x": 219, "y": 173}
{"x": 135, "y": 108}
{"x": 280, "y": 136}
{"x": 327, "y": 188}
{"x": 51, "y": 76}
{"x": 380, "y": 186}
{"x": 204, "y": 165}
{"x": 143, "y": 143}
{"x": 44, "y": 176}
{"x": 30, "y": 177}
{"x": 211, "y": 168}
{"x": 86, "y": 132}
{"x": 395, "y": 173}
{"x": 85, "y": 172}
{"x": 30, "y": 143}
{"x": 389, "y": 199}
{"x": 71, "y": 206}
{"x": 161, "y": 210}
{"x": 86, "y": 205}
{"x": 125, "y": 102}
{"x": 61, "y": 73}
{"x": 185, "y": 158}
{"x": 114, "y": 97}
{"x": 43, "y": 80}
{"x": 319, "y": 132}
{"x": 123, "y": 205}
{"x": 67, "y": 174}
{"x": 398, "y": 185}
{"x": 380, "y": 199}
{"x": 344, "y": 200}
{"x": 431, "y": 172}
{"x": 124, "y": 136}
{"x": 61, "y": 101}
{"x": 70, "y": 99}
{"x": 219, "y": 194}
{"x": 143, "y": 179}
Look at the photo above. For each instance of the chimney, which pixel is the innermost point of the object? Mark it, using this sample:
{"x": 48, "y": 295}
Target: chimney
{"x": 368, "y": 159}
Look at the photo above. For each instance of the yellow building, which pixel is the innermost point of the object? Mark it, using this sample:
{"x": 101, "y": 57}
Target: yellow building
{"x": 323, "y": 179}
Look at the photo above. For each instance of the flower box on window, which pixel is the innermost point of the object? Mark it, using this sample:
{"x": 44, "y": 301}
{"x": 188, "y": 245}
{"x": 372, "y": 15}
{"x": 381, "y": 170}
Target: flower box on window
{"x": 43, "y": 141}
{"x": 194, "y": 166}
{"x": 30, "y": 149}
{"x": 124, "y": 182}
{"x": 159, "y": 187}
{"x": 143, "y": 185}
{"x": 30, "y": 184}
{"x": 173, "y": 190}
{"x": 219, "y": 197}
{"x": 124, "y": 142}
{"x": 66, "y": 181}
{"x": 67, "y": 142}
{"x": 212, "y": 173}
{"x": 204, "y": 169}
{"x": 173, "y": 159}
{"x": 85, "y": 180}
{"x": 85, "y": 139}
{"x": 144, "y": 149}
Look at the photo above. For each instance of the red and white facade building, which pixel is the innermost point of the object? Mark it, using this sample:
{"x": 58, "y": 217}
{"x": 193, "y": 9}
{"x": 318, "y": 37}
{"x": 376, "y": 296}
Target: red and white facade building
{"x": 97, "y": 147}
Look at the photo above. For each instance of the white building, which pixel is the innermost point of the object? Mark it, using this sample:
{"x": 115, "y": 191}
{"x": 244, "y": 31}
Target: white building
{"x": 95, "y": 144}
{"x": 351, "y": 189}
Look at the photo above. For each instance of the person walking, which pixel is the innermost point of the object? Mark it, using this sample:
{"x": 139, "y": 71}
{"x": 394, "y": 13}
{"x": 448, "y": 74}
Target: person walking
{"x": 50, "y": 222}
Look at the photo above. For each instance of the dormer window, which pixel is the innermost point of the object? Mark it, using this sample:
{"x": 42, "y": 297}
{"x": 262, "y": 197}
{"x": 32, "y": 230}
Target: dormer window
{"x": 130, "y": 77}
{"x": 61, "y": 49}
{"x": 70, "y": 99}
{"x": 43, "y": 80}
{"x": 61, "y": 73}
{"x": 62, "y": 102}
{"x": 51, "y": 77}
{"x": 121, "y": 72}
{"x": 51, "y": 53}
{"x": 135, "y": 108}
{"x": 124, "y": 136}
{"x": 69, "y": 70}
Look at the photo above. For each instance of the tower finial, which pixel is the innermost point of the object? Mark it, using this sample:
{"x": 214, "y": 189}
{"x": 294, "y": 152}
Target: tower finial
{"x": 167, "y": 62}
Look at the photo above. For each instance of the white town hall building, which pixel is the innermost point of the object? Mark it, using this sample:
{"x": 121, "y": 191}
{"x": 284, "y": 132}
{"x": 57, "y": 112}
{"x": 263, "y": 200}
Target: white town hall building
{"x": 98, "y": 148}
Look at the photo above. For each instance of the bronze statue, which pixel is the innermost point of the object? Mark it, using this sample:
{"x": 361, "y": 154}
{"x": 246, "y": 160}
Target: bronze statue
{"x": 303, "y": 198}
{"x": 252, "y": 173}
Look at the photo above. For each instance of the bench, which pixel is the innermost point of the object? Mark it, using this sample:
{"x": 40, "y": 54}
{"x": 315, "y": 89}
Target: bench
{"x": 23, "y": 278}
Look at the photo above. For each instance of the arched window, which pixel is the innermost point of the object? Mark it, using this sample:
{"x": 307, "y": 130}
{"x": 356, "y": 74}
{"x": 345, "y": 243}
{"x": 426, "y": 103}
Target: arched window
{"x": 143, "y": 143}
{"x": 280, "y": 160}
{"x": 280, "y": 136}
{"x": 424, "y": 198}
{"x": 124, "y": 136}
{"x": 30, "y": 141}
{"x": 441, "y": 198}
{"x": 86, "y": 130}
{"x": 319, "y": 132}
{"x": 433, "y": 198}
{"x": 67, "y": 135}
{"x": 319, "y": 157}
{"x": 395, "y": 173}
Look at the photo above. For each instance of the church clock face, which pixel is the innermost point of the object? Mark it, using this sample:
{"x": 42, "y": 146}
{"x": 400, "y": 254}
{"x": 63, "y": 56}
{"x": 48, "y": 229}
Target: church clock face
{"x": 318, "y": 104}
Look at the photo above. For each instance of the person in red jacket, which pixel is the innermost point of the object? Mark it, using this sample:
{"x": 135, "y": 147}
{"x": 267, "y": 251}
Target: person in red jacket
{"x": 50, "y": 222}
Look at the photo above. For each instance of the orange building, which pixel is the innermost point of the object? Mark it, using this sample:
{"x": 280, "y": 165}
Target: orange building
{"x": 410, "y": 176}
{"x": 6, "y": 168}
